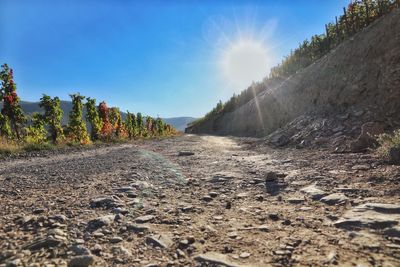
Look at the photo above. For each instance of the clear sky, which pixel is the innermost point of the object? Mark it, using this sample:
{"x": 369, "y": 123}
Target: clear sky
{"x": 166, "y": 58}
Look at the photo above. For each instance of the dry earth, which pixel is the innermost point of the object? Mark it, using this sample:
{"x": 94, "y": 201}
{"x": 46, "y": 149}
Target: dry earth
{"x": 199, "y": 201}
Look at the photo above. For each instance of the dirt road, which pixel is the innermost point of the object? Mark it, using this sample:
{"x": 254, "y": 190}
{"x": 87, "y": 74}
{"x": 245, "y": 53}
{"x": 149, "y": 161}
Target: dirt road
{"x": 199, "y": 201}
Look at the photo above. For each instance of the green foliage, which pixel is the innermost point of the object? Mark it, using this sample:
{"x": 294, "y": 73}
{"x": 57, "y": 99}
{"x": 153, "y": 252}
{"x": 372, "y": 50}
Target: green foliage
{"x": 5, "y": 128}
{"x": 388, "y": 141}
{"x": 140, "y": 124}
{"x": 76, "y": 126}
{"x": 53, "y": 116}
{"x": 93, "y": 117}
{"x": 36, "y": 133}
{"x": 130, "y": 124}
{"x": 160, "y": 127}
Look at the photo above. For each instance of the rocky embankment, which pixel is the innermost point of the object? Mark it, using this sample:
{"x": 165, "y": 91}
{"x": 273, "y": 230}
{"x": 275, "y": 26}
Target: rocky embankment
{"x": 199, "y": 201}
{"x": 358, "y": 82}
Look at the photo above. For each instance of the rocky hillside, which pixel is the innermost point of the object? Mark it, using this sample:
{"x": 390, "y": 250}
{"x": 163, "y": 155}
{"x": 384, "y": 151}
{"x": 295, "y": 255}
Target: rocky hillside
{"x": 357, "y": 82}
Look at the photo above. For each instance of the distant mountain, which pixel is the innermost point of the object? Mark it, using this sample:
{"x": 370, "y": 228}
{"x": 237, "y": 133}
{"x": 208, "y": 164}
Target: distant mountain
{"x": 180, "y": 123}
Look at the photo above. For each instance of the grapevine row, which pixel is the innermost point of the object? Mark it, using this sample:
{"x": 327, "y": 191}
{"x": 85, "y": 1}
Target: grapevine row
{"x": 106, "y": 124}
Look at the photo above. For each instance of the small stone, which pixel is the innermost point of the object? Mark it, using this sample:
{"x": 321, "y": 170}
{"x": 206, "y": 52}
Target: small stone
{"x": 295, "y": 200}
{"x": 263, "y": 228}
{"x": 232, "y": 234}
{"x": 145, "y": 219}
{"x": 106, "y": 202}
{"x": 213, "y": 194}
{"x": 361, "y": 167}
{"x": 207, "y": 198}
{"x": 81, "y": 261}
{"x": 159, "y": 240}
{"x": 116, "y": 239}
{"x": 185, "y": 153}
{"x": 273, "y": 216}
{"x": 334, "y": 199}
{"x": 100, "y": 222}
{"x": 215, "y": 259}
{"x": 121, "y": 251}
{"x": 244, "y": 255}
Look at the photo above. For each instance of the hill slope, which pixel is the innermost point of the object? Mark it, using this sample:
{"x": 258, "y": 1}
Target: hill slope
{"x": 360, "y": 79}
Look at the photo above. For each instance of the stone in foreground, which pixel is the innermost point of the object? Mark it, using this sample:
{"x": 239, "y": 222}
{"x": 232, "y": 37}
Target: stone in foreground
{"x": 81, "y": 261}
{"x": 216, "y": 259}
{"x": 313, "y": 192}
{"x": 370, "y": 215}
{"x": 160, "y": 240}
{"x": 335, "y": 199}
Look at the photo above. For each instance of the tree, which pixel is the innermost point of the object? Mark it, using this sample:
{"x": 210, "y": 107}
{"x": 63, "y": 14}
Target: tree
{"x": 107, "y": 129}
{"x": 76, "y": 126}
{"x": 150, "y": 126}
{"x": 130, "y": 124}
{"x": 93, "y": 117}
{"x": 36, "y": 133}
{"x": 139, "y": 124}
{"x": 5, "y": 128}
{"x": 53, "y": 116}
{"x": 159, "y": 126}
{"x": 11, "y": 107}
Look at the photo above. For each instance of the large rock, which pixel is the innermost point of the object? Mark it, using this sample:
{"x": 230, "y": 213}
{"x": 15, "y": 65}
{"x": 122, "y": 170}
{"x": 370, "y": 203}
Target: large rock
{"x": 160, "y": 240}
{"x": 47, "y": 242}
{"x": 100, "y": 222}
{"x": 313, "y": 191}
{"x": 334, "y": 199}
{"x": 367, "y": 138}
{"x": 106, "y": 202}
{"x": 370, "y": 215}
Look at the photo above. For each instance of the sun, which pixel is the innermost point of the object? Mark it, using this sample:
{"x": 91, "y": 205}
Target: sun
{"x": 245, "y": 61}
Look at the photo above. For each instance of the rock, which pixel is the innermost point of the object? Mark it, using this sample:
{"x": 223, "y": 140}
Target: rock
{"x": 334, "y": 199}
{"x": 79, "y": 250}
{"x": 159, "y": 240}
{"x": 145, "y": 219}
{"x": 106, "y": 202}
{"x": 394, "y": 155}
{"x": 370, "y": 215}
{"x": 81, "y": 261}
{"x": 215, "y": 259}
{"x": 273, "y": 216}
{"x": 392, "y": 232}
{"x": 47, "y": 242}
{"x": 137, "y": 228}
{"x": 367, "y": 138}
{"x": 361, "y": 167}
{"x": 116, "y": 239}
{"x": 244, "y": 255}
{"x": 185, "y": 153}
{"x": 100, "y": 222}
{"x": 263, "y": 228}
{"x": 207, "y": 198}
{"x": 213, "y": 194}
{"x": 313, "y": 192}
{"x": 121, "y": 251}
{"x": 124, "y": 189}
{"x": 295, "y": 200}
{"x": 241, "y": 195}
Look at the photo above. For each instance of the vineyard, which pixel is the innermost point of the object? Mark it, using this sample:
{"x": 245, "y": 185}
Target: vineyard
{"x": 358, "y": 15}
{"x": 42, "y": 129}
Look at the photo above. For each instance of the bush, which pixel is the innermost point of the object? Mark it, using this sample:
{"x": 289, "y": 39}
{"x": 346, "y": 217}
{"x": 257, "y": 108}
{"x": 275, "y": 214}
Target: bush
{"x": 388, "y": 142}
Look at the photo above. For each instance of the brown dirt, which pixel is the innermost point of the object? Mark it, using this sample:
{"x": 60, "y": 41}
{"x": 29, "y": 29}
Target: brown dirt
{"x": 212, "y": 201}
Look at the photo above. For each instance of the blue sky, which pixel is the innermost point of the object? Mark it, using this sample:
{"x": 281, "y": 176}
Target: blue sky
{"x": 158, "y": 57}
